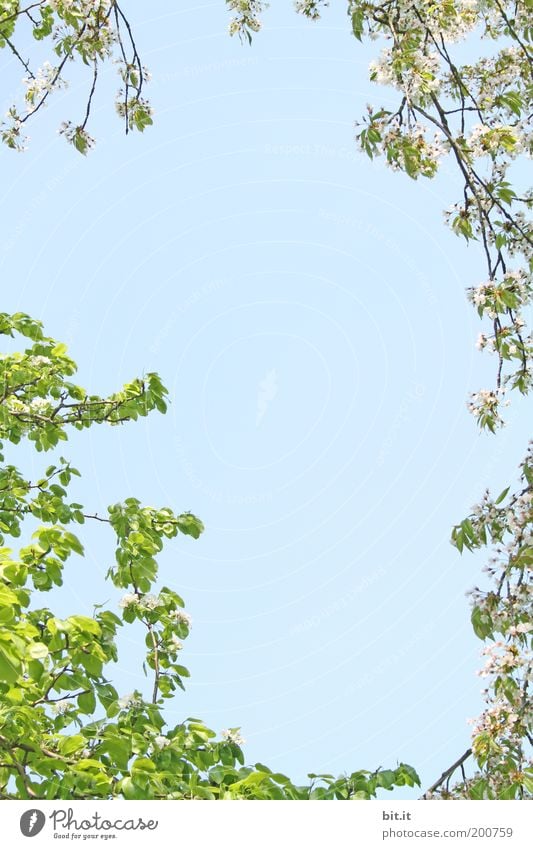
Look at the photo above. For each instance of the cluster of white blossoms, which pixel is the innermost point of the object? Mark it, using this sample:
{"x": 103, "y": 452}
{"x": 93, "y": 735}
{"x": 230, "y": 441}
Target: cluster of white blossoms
{"x": 39, "y": 360}
{"x": 406, "y": 146}
{"x": 37, "y": 406}
{"x": 486, "y": 508}
{"x": 492, "y": 139}
{"x": 40, "y": 405}
{"x": 61, "y": 707}
{"x": 11, "y": 131}
{"x": 82, "y": 8}
{"x": 484, "y": 341}
{"x": 412, "y": 151}
{"x": 174, "y": 645}
{"x": 478, "y": 295}
{"x": 310, "y": 8}
{"x": 130, "y": 700}
{"x": 232, "y": 735}
{"x": 161, "y": 742}
{"x": 148, "y": 601}
{"x": 505, "y": 661}
{"x": 129, "y": 72}
{"x": 180, "y": 617}
{"x": 498, "y": 720}
{"x": 128, "y": 600}
{"x": 78, "y": 136}
{"x": 519, "y": 241}
{"x": 518, "y": 516}
{"x": 453, "y": 20}
{"x": 132, "y": 106}
{"x": 503, "y": 302}
{"x": 492, "y": 76}
{"x": 15, "y": 405}
{"x": 494, "y": 297}
{"x": 521, "y": 628}
{"x": 456, "y": 20}
{"x": 246, "y": 17}
{"x": 45, "y": 80}
{"x": 502, "y": 658}
{"x": 98, "y": 37}
{"x": 485, "y": 406}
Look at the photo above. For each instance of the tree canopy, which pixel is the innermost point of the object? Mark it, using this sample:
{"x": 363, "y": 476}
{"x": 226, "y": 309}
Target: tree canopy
{"x": 65, "y": 732}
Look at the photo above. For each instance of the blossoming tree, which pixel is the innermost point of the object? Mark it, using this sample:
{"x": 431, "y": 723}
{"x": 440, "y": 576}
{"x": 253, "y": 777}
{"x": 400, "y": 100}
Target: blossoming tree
{"x": 53, "y": 671}
{"x": 94, "y": 31}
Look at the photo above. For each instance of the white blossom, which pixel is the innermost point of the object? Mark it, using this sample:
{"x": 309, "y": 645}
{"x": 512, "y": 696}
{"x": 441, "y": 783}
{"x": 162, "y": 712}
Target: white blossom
{"x": 149, "y": 601}
{"x": 61, "y": 707}
{"x": 232, "y": 735}
{"x": 128, "y": 600}
{"x": 174, "y": 644}
{"x": 130, "y": 700}
{"x": 179, "y": 616}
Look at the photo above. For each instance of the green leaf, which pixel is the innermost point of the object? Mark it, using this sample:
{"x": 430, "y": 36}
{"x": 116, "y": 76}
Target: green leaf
{"x": 86, "y": 625}
{"x": 502, "y": 495}
{"x": 130, "y": 790}
{"x": 37, "y": 651}
{"x": 10, "y": 666}
{"x": 358, "y": 19}
{"x": 189, "y": 524}
{"x": 69, "y": 745}
{"x": 509, "y": 792}
{"x": 142, "y": 765}
{"x": 481, "y": 623}
{"x": 478, "y": 790}
{"x": 87, "y": 702}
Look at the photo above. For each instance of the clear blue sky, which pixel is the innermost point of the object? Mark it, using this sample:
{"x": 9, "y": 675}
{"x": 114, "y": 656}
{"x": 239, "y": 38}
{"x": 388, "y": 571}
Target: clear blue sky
{"x": 306, "y": 309}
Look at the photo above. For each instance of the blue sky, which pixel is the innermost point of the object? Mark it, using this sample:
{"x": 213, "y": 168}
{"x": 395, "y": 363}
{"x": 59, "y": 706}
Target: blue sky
{"x": 306, "y": 309}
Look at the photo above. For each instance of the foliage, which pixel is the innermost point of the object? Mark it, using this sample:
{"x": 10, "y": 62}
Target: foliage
{"x": 65, "y": 732}
{"x": 479, "y": 114}
{"x": 94, "y": 31}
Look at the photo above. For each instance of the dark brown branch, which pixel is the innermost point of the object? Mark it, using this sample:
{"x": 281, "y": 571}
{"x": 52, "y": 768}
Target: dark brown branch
{"x": 19, "y": 57}
{"x": 446, "y": 775}
{"x": 91, "y": 93}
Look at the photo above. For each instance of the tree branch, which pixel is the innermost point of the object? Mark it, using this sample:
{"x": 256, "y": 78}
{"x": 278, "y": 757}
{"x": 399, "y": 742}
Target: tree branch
{"x": 447, "y": 774}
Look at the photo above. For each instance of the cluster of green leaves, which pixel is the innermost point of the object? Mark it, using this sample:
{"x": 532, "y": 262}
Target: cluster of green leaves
{"x": 38, "y": 402}
{"x": 65, "y": 731}
{"x": 260, "y": 782}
